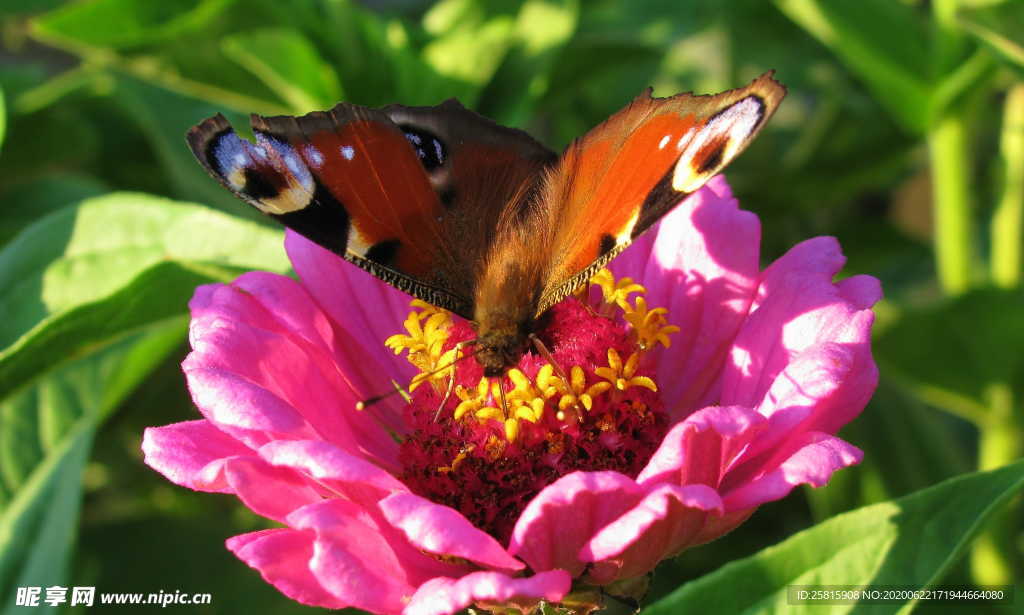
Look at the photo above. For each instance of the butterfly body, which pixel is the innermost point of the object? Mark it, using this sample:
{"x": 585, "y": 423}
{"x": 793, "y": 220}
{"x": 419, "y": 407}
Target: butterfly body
{"x": 477, "y": 218}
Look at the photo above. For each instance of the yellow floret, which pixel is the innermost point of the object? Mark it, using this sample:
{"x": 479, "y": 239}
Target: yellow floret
{"x": 614, "y": 291}
{"x": 650, "y": 325}
{"x": 620, "y": 375}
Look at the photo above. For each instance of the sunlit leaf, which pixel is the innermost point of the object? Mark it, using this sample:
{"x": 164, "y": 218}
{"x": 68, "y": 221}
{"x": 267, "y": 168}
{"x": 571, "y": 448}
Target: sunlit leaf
{"x": 909, "y": 542}
{"x": 87, "y": 275}
{"x": 542, "y": 29}
{"x": 292, "y": 67}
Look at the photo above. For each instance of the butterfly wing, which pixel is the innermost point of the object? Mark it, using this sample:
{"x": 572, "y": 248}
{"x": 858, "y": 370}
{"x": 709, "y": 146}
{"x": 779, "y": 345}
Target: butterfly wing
{"x": 380, "y": 187}
{"x": 624, "y": 175}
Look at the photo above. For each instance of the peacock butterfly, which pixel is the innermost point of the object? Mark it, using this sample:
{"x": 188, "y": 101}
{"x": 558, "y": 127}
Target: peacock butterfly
{"x": 473, "y": 217}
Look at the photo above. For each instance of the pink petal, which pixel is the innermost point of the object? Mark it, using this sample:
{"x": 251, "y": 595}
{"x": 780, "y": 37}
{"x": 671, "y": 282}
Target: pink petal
{"x": 566, "y": 514}
{"x": 290, "y": 305}
{"x": 798, "y": 307}
{"x": 444, "y": 531}
{"x": 700, "y": 262}
{"x": 282, "y": 556}
{"x": 813, "y": 464}
{"x": 245, "y": 410}
{"x": 365, "y": 311}
{"x": 358, "y": 563}
{"x": 299, "y": 316}
{"x": 703, "y": 447}
{"x": 268, "y": 490}
{"x": 863, "y": 291}
{"x": 442, "y": 596}
{"x": 237, "y": 341}
{"x": 800, "y": 399}
{"x": 190, "y": 454}
{"x": 668, "y": 520}
{"x": 347, "y": 475}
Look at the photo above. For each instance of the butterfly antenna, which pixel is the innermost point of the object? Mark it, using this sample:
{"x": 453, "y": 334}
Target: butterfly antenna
{"x": 369, "y": 401}
{"x": 501, "y": 394}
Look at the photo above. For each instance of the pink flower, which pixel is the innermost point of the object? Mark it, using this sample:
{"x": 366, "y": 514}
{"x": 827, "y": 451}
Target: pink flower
{"x": 593, "y": 476}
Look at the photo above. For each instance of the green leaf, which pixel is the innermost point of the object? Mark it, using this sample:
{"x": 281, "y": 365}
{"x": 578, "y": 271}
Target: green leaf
{"x": 128, "y": 23}
{"x": 13, "y": 7}
{"x": 90, "y": 274}
{"x": 164, "y": 117}
{"x": 542, "y": 29}
{"x": 981, "y": 333}
{"x": 881, "y": 41}
{"x": 469, "y": 45}
{"x": 1000, "y": 28}
{"x": 26, "y": 202}
{"x": 46, "y": 433}
{"x": 289, "y": 64}
{"x": 3, "y": 117}
{"x": 912, "y": 541}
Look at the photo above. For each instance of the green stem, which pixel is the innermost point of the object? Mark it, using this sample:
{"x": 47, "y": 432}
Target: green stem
{"x": 948, "y": 38}
{"x": 1008, "y": 220}
{"x": 993, "y": 559}
{"x": 950, "y": 165}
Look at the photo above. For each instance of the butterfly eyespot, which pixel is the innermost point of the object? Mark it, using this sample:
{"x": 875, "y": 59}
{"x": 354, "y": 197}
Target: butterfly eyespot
{"x": 711, "y": 156}
{"x": 262, "y": 184}
{"x": 428, "y": 147}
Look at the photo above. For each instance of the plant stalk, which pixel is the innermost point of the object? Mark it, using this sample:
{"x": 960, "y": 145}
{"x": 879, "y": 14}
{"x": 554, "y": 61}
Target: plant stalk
{"x": 950, "y": 165}
{"x": 993, "y": 557}
{"x": 1008, "y": 220}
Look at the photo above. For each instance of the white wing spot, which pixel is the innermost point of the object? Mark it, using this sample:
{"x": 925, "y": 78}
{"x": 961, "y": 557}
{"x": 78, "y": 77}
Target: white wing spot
{"x": 314, "y": 155}
{"x": 348, "y": 152}
{"x": 294, "y": 164}
{"x": 734, "y": 124}
{"x": 664, "y": 141}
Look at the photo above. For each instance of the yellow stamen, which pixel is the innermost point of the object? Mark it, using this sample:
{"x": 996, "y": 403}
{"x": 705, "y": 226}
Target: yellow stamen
{"x": 650, "y": 325}
{"x": 573, "y": 392}
{"x": 511, "y": 429}
{"x": 621, "y": 375}
{"x": 472, "y": 399}
{"x": 428, "y": 331}
{"x": 615, "y": 291}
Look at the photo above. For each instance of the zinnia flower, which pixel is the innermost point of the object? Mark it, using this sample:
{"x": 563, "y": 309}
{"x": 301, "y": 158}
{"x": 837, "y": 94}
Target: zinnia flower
{"x": 684, "y": 390}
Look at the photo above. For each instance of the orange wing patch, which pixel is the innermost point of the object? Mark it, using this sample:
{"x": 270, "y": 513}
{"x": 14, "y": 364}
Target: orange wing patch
{"x": 624, "y": 175}
{"x": 615, "y": 183}
{"x": 393, "y": 210}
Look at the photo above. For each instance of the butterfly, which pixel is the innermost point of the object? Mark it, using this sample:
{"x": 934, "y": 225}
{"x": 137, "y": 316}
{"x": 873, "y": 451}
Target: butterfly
{"x": 473, "y": 217}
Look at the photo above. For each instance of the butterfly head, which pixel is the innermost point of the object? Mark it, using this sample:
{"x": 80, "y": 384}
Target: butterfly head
{"x": 501, "y": 342}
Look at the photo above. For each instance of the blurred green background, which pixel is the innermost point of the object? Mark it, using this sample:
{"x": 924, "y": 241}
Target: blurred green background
{"x": 902, "y": 135}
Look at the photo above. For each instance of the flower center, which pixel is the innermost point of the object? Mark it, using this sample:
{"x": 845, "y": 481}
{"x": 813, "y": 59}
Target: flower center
{"x": 585, "y": 401}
